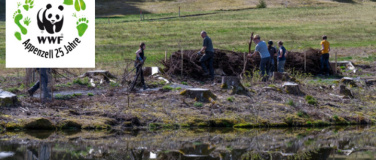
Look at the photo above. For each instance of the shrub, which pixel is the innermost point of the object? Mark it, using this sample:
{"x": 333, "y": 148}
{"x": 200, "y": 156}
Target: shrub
{"x": 311, "y": 100}
{"x": 85, "y": 81}
{"x": 291, "y": 102}
{"x": 262, "y": 4}
{"x": 231, "y": 99}
{"x": 198, "y": 104}
{"x": 90, "y": 94}
{"x": 184, "y": 83}
{"x": 167, "y": 88}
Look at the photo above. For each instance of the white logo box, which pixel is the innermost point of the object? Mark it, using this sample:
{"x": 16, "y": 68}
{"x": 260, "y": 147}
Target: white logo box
{"x": 23, "y": 53}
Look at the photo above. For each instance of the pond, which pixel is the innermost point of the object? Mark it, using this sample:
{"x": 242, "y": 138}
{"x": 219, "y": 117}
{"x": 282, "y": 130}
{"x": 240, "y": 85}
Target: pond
{"x": 351, "y": 142}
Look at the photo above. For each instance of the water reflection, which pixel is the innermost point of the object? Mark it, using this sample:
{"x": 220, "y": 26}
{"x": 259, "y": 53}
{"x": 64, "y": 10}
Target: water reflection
{"x": 197, "y": 144}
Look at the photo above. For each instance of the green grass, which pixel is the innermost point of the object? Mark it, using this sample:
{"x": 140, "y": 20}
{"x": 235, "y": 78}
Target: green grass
{"x": 301, "y": 28}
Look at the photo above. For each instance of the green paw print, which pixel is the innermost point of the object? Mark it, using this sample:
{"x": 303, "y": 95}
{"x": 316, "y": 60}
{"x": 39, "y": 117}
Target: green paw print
{"x": 78, "y": 4}
{"x": 17, "y": 16}
{"x": 28, "y": 4}
{"x": 27, "y": 21}
{"x": 82, "y": 26}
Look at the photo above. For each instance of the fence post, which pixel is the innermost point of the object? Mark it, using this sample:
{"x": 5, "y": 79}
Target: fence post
{"x": 165, "y": 56}
{"x": 140, "y": 15}
{"x": 179, "y": 11}
{"x": 305, "y": 61}
{"x": 182, "y": 62}
{"x": 335, "y": 66}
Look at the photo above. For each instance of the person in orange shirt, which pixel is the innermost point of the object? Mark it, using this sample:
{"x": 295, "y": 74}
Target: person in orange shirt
{"x": 324, "y": 59}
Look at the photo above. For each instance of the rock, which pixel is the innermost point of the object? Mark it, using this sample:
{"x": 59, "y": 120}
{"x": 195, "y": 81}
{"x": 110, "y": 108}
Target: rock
{"x": 348, "y": 81}
{"x": 278, "y": 76}
{"x": 346, "y": 92}
{"x": 370, "y": 82}
{"x": 149, "y": 71}
{"x": 106, "y": 74}
{"x": 39, "y": 124}
{"x": 199, "y": 94}
{"x": 233, "y": 82}
{"x": 7, "y": 99}
{"x": 292, "y": 88}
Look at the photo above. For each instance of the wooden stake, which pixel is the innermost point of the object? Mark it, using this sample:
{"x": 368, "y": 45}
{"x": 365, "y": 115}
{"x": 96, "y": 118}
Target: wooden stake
{"x": 335, "y": 66}
{"x": 305, "y": 62}
{"x": 182, "y": 62}
{"x": 40, "y": 86}
{"x": 179, "y": 11}
{"x": 165, "y": 56}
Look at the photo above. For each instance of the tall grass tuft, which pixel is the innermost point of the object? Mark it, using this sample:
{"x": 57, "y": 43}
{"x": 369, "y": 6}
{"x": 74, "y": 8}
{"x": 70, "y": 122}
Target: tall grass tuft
{"x": 262, "y": 4}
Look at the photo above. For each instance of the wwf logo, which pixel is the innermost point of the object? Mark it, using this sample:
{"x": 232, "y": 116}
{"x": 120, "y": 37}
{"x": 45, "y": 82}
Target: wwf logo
{"x": 52, "y": 19}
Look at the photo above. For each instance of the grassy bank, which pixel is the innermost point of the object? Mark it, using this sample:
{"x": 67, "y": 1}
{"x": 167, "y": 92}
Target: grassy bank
{"x": 299, "y": 27}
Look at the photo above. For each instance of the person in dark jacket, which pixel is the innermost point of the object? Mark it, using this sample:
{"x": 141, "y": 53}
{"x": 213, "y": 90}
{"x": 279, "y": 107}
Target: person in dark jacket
{"x": 272, "y": 51}
{"x": 208, "y": 57}
{"x": 281, "y": 57}
{"x": 140, "y": 57}
{"x": 44, "y": 82}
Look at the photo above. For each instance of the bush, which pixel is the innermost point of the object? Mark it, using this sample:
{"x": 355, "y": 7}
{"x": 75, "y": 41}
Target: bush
{"x": 291, "y": 102}
{"x": 90, "y": 94}
{"x": 167, "y": 88}
{"x": 311, "y": 100}
{"x": 231, "y": 99}
{"x": 85, "y": 81}
{"x": 262, "y": 4}
{"x": 198, "y": 104}
{"x": 184, "y": 83}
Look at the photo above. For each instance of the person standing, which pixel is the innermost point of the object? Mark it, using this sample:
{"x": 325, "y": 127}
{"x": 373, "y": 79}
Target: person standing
{"x": 44, "y": 82}
{"x": 140, "y": 58}
{"x": 272, "y": 52}
{"x": 264, "y": 54}
{"x": 208, "y": 57}
{"x": 324, "y": 59}
{"x": 281, "y": 57}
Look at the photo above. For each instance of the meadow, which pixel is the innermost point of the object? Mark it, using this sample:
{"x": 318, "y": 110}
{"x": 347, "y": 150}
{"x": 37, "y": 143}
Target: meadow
{"x": 348, "y": 25}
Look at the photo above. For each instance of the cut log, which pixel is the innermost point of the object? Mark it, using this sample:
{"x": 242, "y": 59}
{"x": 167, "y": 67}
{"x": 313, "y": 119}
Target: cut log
{"x": 199, "y": 94}
{"x": 370, "y": 82}
{"x": 149, "y": 71}
{"x": 292, "y": 88}
{"x": 7, "y": 99}
{"x": 106, "y": 74}
{"x": 278, "y": 76}
{"x": 233, "y": 82}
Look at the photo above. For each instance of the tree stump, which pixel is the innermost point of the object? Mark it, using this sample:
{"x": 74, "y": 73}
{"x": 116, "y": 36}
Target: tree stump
{"x": 292, "y": 88}
{"x": 233, "y": 82}
{"x": 106, "y": 74}
{"x": 278, "y": 76}
{"x": 199, "y": 94}
{"x": 370, "y": 82}
{"x": 346, "y": 92}
{"x": 7, "y": 99}
{"x": 348, "y": 81}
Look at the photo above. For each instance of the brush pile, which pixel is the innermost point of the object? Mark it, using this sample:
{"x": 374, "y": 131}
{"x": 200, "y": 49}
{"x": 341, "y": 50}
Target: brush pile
{"x": 232, "y": 63}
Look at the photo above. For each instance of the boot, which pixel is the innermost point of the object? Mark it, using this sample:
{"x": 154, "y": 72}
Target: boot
{"x": 31, "y": 93}
{"x": 144, "y": 87}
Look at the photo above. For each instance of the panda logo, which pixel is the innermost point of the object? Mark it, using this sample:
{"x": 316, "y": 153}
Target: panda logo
{"x": 51, "y": 20}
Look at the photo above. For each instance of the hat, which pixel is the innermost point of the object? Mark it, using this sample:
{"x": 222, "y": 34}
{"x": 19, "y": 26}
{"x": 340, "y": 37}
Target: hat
{"x": 256, "y": 36}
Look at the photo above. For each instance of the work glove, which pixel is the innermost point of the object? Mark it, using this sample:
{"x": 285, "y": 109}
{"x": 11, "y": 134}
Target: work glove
{"x": 141, "y": 60}
{"x": 199, "y": 53}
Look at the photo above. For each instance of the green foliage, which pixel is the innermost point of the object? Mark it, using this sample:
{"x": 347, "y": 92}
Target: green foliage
{"x": 302, "y": 114}
{"x": 167, "y": 88}
{"x": 114, "y": 84}
{"x": 336, "y": 118}
{"x": 198, "y": 104}
{"x": 184, "y": 83}
{"x": 83, "y": 82}
{"x": 90, "y": 94}
{"x": 262, "y": 4}
{"x": 231, "y": 99}
{"x": 291, "y": 102}
{"x": 311, "y": 100}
